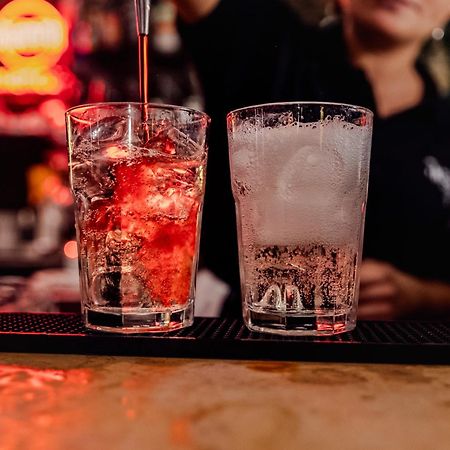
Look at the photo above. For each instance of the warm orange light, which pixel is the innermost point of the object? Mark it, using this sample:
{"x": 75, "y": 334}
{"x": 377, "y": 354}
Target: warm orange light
{"x": 32, "y": 33}
{"x": 53, "y": 110}
{"x": 29, "y": 80}
{"x": 33, "y": 37}
{"x": 71, "y": 249}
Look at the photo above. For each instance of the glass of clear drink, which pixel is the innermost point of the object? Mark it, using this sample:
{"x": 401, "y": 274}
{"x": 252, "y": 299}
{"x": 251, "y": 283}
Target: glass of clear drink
{"x": 299, "y": 177}
{"x": 137, "y": 174}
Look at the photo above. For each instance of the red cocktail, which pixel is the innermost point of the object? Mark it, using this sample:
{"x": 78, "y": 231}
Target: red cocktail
{"x": 138, "y": 189}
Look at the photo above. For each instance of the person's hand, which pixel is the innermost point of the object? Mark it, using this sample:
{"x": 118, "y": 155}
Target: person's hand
{"x": 388, "y": 293}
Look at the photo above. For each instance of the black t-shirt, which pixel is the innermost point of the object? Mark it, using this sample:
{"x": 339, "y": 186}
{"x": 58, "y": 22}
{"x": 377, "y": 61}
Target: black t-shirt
{"x": 251, "y": 51}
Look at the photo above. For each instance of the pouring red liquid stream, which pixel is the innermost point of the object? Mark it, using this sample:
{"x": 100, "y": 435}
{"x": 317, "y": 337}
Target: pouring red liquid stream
{"x": 143, "y": 68}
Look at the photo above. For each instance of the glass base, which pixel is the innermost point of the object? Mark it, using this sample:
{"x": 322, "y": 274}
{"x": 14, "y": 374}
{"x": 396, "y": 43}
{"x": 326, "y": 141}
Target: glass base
{"x": 299, "y": 325}
{"x": 138, "y": 320}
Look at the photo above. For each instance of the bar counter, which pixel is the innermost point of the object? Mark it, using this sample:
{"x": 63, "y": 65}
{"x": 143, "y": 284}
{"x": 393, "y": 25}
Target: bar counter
{"x": 53, "y": 402}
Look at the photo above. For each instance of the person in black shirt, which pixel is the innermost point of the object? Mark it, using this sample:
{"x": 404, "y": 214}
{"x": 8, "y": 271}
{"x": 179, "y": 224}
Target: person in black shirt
{"x": 258, "y": 51}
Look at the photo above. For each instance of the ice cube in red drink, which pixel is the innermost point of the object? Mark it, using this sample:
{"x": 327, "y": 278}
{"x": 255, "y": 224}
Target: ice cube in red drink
{"x": 158, "y": 208}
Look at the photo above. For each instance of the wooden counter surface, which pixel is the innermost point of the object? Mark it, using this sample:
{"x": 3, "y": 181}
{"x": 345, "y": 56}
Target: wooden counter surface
{"x": 53, "y": 402}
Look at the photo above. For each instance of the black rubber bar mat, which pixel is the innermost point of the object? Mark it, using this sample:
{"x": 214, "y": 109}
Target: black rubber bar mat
{"x": 371, "y": 341}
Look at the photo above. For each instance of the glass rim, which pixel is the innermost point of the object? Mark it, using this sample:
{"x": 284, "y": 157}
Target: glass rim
{"x": 161, "y": 106}
{"x": 302, "y": 103}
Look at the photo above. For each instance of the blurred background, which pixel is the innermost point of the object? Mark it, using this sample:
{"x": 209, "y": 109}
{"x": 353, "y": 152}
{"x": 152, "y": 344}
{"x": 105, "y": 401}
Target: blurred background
{"x": 57, "y": 54}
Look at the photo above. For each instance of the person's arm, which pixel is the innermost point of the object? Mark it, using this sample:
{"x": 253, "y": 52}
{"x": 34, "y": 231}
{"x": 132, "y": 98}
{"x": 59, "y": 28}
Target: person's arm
{"x": 388, "y": 293}
{"x": 193, "y": 10}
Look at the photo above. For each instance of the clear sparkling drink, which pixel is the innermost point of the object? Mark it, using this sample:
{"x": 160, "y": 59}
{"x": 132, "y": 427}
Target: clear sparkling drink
{"x": 138, "y": 209}
{"x": 299, "y": 179}
{"x": 308, "y": 283}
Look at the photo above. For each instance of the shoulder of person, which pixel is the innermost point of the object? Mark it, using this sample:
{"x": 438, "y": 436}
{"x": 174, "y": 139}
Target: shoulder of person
{"x": 443, "y": 115}
{"x": 444, "y": 105}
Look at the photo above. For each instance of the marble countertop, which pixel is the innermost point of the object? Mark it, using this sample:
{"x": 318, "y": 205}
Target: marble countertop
{"x": 52, "y": 402}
